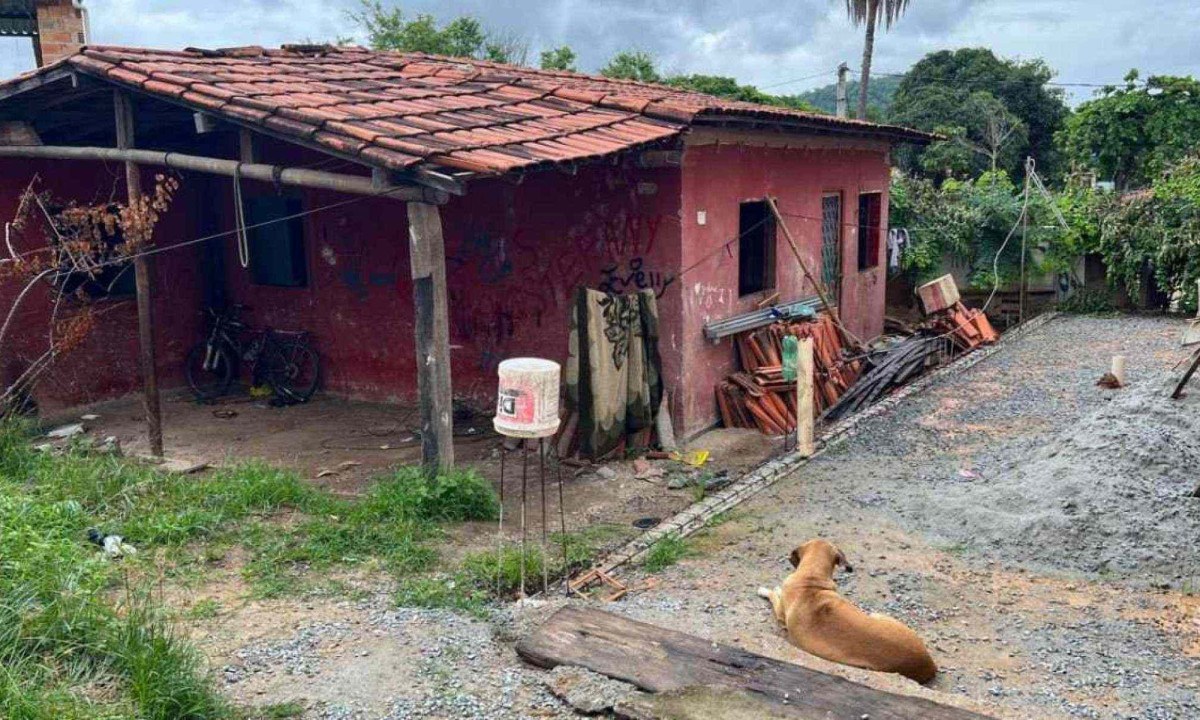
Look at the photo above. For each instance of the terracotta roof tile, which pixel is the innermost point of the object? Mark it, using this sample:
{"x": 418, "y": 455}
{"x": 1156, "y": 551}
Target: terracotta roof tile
{"x": 398, "y": 110}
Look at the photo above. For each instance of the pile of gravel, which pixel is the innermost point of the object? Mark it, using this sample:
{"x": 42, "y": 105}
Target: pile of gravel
{"x": 1111, "y": 493}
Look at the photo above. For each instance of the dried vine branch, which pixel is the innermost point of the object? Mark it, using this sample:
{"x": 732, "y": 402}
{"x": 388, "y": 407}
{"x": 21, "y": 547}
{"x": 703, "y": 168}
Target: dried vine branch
{"x": 76, "y": 244}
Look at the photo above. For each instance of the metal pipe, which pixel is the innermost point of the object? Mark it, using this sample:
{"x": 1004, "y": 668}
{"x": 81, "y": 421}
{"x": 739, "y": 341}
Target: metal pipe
{"x": 296, "y": 177}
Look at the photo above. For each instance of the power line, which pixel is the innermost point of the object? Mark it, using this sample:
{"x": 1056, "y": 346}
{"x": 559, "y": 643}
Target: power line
{"x": 1053, "y": 83}
{"x": 798, "y": 80}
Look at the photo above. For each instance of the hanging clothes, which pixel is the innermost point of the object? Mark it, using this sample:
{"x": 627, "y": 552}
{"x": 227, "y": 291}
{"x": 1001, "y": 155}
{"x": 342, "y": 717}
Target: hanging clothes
{"x": 614, "y": 370}
{"x": 896, "y": 242}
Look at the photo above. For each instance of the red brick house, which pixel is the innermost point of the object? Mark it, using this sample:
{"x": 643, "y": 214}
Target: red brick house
{"x": 543, "y": 181}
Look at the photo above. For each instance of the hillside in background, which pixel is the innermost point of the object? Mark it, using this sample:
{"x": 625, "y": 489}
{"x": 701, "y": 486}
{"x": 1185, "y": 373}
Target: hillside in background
{"x": 880, "y": 94}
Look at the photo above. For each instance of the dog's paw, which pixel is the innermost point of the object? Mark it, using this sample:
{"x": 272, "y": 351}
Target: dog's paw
{"x": 764, "y": 593}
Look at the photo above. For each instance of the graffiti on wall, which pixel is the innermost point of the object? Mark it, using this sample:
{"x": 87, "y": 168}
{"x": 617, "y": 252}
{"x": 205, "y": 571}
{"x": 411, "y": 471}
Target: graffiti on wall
{"x": 707, "y": 296}
{"x": 616, "y": 280}
{"x": 507, "y": 280}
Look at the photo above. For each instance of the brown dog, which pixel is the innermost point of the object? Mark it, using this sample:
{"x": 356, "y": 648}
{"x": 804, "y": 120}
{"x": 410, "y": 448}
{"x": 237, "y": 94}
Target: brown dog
{"x": 821, "y": 622}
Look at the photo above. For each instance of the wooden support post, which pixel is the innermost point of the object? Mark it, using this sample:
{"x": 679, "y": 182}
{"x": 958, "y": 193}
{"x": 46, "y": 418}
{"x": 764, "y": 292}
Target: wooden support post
{"x": 805, "y": 443}
{"x": 141, "y": 272}
{"x": 428, "y": 258}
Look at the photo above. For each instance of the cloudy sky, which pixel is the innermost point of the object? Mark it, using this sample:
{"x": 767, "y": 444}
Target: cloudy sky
{"x": 769, "y": 43}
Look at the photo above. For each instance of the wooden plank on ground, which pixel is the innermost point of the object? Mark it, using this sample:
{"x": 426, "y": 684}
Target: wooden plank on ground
{"x": 660, "y": 660}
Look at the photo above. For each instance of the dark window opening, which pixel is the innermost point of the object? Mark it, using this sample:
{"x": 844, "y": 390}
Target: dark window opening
{"x": 756, "y": 248}
{"x": 277, "y": 247}
{"x": 111, "y": 275}
{"x": 869, "y": 229}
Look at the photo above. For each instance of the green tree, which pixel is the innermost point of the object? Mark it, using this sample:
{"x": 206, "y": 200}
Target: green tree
{"x": 1158, "y": 230}
{"x": 986, "y": 136}
{"x": 632, "y": 65}
{"x": 559, "y": 58}
{"x": 870, "y": 13}
{"x": 968, "y": 222}
{"x": 727, "y": 87}
{"x": 936, "y": 91}
{"x": 390, "y": 29}
{"x": 1130, "y": 134}
{"x": 879, "y": 95}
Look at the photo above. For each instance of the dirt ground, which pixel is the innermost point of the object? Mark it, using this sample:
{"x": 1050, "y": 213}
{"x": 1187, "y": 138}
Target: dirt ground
{"x": 1018, "y": 632}
{"x": 343, "y": 445}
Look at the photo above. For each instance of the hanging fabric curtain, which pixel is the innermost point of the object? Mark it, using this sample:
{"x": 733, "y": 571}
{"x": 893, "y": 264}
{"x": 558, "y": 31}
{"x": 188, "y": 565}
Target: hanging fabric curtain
{"x": 614, "y": 371}
{"x": 239, "y": 218}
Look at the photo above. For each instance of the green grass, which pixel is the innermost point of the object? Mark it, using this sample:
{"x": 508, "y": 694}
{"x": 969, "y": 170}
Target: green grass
{"x": 80, "y": 638}
{"x": 482, "y": 577}
{"x": 443, "y": 591}
{"x": 666, "y": 552}
{"x": 278, "y": 711}
{"x": 205, "y": 609}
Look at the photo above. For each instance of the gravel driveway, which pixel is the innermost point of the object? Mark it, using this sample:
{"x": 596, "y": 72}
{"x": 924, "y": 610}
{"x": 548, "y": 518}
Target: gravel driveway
{"x": 1033, "y": 527}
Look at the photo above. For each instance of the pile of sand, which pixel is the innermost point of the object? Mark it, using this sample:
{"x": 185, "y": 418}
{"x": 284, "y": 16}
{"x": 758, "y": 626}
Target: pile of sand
{"x": 1110, "y": 494}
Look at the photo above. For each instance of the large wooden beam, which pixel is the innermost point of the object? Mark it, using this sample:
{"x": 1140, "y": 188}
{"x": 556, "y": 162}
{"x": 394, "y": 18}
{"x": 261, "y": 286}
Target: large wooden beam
{"x": 295, "y": 177}
{"x": 659, "y": 660}
{"x": 141, "y": 270}
{"x": 432, "y": 328}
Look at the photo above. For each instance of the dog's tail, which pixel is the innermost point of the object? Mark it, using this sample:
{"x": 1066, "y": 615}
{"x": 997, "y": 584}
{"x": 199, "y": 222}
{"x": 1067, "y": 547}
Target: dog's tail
{"x": 764, "y": 593}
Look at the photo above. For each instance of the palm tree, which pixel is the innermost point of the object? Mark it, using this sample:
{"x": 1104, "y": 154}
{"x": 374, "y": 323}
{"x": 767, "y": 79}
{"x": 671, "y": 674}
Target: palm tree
{"x": 870, "y": 12}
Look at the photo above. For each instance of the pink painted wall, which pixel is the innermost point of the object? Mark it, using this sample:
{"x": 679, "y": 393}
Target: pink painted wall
{"x": 720, "y": 172}
{"x": 105, "y": 365}
{"x": 515, "y": 252}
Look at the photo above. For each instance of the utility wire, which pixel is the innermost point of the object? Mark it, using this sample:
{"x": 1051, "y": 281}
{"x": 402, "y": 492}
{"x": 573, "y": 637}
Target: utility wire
{"x": 798, "y": 80}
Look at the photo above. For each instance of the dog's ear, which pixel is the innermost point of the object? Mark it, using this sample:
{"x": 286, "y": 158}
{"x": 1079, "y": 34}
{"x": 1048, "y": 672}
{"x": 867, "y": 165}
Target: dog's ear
{"x": 794, "y": 558}
{"x": 840, "y": 559}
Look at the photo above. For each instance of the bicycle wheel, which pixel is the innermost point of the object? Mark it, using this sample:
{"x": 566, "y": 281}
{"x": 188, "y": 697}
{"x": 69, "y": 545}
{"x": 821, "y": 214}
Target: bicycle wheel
{"x": 210, "y": 380}
{"x": 293, "y": 369}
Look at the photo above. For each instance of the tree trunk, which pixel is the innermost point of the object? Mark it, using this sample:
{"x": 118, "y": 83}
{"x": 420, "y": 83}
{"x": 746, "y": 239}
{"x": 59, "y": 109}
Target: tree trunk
{"x": 868, "y": 51}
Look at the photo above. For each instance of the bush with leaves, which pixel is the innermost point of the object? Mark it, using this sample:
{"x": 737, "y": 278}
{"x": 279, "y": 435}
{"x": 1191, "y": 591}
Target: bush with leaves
{"x": 465, "y": 36}
{"x": 1132, "y": 133}
{"x": 1158, "y": 229}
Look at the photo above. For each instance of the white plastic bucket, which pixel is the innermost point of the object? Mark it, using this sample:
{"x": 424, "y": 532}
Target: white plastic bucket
{"x": 527, "y": 402}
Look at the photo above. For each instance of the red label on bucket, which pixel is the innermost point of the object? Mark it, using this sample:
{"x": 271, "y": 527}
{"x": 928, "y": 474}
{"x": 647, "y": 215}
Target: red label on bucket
{"x": 517, "y": 404}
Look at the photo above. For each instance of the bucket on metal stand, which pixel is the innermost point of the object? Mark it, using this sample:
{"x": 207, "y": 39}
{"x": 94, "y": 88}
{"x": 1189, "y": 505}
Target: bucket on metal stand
{"x": 527, "y": 408}
{"x": 527, "y": 405}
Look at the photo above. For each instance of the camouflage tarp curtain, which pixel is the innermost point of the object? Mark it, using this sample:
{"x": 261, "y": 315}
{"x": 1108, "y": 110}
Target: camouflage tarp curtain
{"x": 614, "y": 372}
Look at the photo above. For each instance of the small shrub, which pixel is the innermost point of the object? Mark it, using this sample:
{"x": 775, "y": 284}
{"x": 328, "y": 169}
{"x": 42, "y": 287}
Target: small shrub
{"x": 449, "y": 497}
{"x": 665, "y": 553}
{"x": 1088, "y": 302}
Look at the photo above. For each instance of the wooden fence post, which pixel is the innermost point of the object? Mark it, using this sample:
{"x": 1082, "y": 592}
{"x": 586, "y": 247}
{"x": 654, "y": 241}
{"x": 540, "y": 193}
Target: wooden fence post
{"x": 432, "y": 328}
{"x": 805, "y": 443}
{"x": 141, "y": 271}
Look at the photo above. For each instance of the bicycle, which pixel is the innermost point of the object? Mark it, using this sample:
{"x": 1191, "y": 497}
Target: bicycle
{"x": 282, "y": 360}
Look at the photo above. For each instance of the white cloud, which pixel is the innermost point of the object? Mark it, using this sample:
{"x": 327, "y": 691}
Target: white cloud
{"x": 764, "y": 42}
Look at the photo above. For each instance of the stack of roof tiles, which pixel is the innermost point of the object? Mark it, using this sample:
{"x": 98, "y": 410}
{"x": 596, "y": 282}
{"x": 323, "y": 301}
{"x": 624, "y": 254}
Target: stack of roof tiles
{"x": 759, "y": 397}
{"x": 402, "y": 110}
